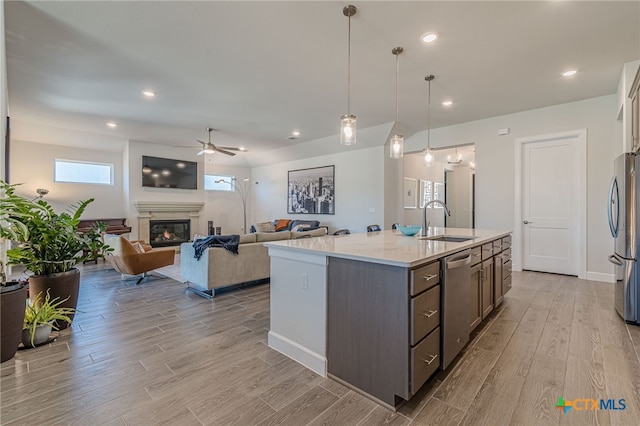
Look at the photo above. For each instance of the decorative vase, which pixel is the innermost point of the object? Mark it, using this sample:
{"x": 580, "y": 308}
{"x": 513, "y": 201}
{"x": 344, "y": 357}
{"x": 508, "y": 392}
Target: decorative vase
{"x": 12, "y": 305}
{"x": 41, "y": 336}
{"x": 62, "y": 285}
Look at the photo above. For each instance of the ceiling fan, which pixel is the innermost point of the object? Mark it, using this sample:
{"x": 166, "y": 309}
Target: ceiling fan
{"x": 210, "y": 148}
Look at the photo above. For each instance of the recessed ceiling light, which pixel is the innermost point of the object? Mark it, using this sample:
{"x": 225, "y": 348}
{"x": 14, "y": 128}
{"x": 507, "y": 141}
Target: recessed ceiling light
{"x": 429, "y": 37}
{"x": 447, "y": 103}
{"x": 569, "y": 73}
{"x": 295, "y": 133}
{"x": 148, "y": 93}
{"x": 112, "y": 124}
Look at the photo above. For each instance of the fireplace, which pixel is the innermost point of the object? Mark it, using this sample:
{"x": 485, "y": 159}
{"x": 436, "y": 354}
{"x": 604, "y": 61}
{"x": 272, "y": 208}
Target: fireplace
{"x": 164, "y": 233}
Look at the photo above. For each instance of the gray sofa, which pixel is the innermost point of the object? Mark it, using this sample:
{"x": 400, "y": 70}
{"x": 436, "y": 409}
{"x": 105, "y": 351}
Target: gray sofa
{"x": 219, "y": 268}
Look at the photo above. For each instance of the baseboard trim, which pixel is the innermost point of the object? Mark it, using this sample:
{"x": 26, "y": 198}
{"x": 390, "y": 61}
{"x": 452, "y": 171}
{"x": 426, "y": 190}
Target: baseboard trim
{"x": 599, "y": 276}
{"x": 313, "y": 361}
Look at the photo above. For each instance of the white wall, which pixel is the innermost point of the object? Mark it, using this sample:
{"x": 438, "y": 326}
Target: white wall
{"x": 225, "y": 208}
{"x": 36, "y": 171}
{"x": 495, "y": 165}
{"x": 359, "y": 189}
{"x": 415, "y": 168}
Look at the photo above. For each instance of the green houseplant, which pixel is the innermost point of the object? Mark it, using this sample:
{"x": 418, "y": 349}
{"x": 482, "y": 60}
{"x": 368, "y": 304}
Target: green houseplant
{"x": 41, "y": 316}
{"x": 49, "y": 244}
{"x": 13, "y": 295}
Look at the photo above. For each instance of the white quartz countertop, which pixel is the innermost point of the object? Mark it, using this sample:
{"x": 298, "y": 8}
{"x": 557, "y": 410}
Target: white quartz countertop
{"x": 390, "y": 247}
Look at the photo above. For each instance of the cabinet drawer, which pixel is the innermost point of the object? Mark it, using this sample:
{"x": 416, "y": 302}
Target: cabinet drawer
{"x": 506, "y": 242}
{"x": 476, "y": 255}
{"x": 506, "y": 255}
{"x": 497, "y": 246}
{"x": 487, "y": 251}
{"x": 425, "y": 359}
{"x": 425, "y": 277}
{"x": 425, "y": 313}
{"x": 506, "y": 270}
{"x": 506, "y": 284}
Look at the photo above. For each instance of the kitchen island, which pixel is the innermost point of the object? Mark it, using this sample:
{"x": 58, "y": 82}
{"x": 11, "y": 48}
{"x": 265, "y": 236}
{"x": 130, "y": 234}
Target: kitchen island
{"x": 364, "y": 309}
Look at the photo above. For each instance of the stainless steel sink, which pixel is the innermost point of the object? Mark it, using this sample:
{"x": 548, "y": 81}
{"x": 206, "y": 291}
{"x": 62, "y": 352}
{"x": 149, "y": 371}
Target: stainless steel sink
{"x": 448, "y": 238}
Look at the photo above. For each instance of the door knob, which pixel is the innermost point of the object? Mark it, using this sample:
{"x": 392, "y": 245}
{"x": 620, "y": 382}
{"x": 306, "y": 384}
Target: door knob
{"x": 526, "y": 222}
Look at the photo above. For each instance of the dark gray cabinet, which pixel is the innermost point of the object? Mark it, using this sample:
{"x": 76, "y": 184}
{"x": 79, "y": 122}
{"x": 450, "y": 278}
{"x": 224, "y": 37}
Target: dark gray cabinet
{"x": 486, "y": 277}
{"x": 475, "y": 289}
{"x": 506, "y": 265}
{"x": 383, "y": 327}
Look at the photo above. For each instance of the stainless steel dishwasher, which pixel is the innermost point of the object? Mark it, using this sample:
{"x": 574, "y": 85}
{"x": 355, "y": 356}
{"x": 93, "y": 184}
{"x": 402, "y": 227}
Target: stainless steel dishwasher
{"x": 455, "y": 305}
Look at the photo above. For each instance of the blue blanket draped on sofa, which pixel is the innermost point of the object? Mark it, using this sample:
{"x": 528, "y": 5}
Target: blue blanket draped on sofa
{"x": 228, "y": 242}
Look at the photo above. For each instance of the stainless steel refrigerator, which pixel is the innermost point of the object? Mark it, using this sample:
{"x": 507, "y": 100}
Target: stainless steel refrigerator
{"x": 624, "y": 208}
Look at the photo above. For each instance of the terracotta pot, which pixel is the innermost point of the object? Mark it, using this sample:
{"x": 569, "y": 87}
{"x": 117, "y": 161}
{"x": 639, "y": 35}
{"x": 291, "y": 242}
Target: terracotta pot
{"x": 40, "y": 336}
{"x": 12, "y": 306}
{"x": 62, "y": 285}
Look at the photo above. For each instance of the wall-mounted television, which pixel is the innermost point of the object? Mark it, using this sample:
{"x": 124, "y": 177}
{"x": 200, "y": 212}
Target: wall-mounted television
{"x": 167, "y": 173}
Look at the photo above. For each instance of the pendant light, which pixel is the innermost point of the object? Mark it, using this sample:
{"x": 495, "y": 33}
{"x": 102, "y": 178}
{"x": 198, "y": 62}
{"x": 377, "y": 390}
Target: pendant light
{"x": 348, "y": 121}
{"x": 396, "y": 144}
{"x": 456, "y": 159}
{"x": 428, "y": 157}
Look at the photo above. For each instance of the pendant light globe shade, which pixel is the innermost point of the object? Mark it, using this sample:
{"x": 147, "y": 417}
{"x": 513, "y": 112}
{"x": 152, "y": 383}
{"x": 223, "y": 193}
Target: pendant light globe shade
{"x": 429, "y": 158}
{"x": 396, "y": 147}
{"x": 348, "y": 129}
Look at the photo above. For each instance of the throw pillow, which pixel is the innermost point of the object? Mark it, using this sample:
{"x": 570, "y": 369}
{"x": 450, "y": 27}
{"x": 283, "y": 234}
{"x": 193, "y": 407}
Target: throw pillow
{"x": 138, "y": 247}
{"x": 300, "y": 228}
{"x": 282, "y": 224}
{"x": 265, "y": 227}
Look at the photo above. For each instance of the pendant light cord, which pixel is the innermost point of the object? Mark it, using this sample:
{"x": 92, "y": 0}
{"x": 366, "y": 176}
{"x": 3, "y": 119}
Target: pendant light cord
{"x": 397, "y": 71}
{"x": 349, "y": 70}
{"x": 429, "y": 78}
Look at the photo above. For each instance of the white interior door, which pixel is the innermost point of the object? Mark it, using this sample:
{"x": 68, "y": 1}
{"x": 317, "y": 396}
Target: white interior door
{"x": 550, "y": 205}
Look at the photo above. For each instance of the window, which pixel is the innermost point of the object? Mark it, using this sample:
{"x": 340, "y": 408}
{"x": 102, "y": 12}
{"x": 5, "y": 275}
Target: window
{"x": 219, "y": 183}
{"x": 71, "y": 171}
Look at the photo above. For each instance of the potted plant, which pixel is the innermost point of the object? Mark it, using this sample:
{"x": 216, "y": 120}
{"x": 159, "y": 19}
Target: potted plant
{"x": 13, "y": 295}
{"x": 49, "y": 244}
{"x": 42, "y": 316}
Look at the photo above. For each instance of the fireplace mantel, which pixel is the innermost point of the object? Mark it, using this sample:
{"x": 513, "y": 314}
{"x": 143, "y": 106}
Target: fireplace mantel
{"x": 159, "y": 210}
{"x": 163, "y": 206}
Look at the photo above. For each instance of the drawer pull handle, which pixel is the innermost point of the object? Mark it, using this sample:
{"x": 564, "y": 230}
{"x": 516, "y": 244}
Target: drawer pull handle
{"x": 433, "y": 358}
{"x": 430, "y": 313}
{"x": 429, "y": 277}
{"x": 476, "y": 255}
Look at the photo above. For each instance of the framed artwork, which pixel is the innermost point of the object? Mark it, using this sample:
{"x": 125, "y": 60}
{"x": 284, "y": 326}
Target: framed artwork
{"x": 438, "y": 193}
{"x": 311, "y": 191}
{"x": 425, "y": 192}
{"x": 410, "y": 193}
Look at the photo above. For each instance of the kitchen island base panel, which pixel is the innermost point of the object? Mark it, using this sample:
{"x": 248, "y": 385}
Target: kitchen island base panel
{"x": 368, "y": 327}
{"x": 299, "y": 307}
{"x": 313, "y": 361}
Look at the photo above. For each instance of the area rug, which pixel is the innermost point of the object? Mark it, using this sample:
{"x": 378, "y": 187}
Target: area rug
{"x": 172, "y": 271}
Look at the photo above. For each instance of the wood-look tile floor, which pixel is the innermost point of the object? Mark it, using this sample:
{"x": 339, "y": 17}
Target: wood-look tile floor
{"x": 152, "y": 354}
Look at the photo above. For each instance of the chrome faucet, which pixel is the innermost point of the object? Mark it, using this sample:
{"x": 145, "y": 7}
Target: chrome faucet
{"x": 425, "y": 224}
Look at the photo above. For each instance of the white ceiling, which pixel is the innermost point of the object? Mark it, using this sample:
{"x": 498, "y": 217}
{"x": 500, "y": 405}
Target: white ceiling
{"x": 258, "y": 70}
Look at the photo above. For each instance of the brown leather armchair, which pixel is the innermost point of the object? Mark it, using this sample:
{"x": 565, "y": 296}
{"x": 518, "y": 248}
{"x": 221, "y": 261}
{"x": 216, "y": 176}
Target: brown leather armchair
{"x": 127, "y": 259}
